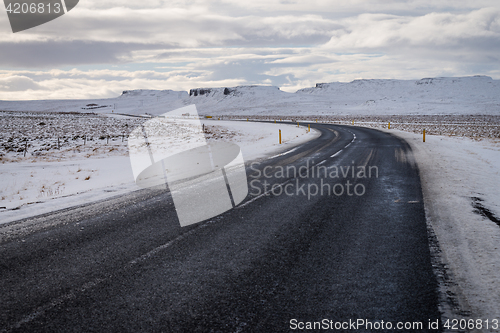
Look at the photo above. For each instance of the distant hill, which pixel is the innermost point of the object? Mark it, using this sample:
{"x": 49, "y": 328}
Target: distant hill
{"x": 442, "y": 95}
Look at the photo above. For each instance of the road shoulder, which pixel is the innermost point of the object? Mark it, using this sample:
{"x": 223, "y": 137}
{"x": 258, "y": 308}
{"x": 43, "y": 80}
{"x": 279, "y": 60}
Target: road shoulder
{"x": 453, "y": 172}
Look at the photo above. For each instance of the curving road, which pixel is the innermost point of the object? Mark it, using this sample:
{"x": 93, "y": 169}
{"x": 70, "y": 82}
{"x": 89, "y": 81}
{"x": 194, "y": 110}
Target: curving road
{"x": 285, "y": 258}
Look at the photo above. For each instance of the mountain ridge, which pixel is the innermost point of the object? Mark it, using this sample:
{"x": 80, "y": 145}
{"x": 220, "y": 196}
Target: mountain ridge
{"x": 440, "y": 95}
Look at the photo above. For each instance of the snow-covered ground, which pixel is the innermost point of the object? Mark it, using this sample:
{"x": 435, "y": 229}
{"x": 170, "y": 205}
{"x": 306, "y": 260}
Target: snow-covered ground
{"x": 78, "y": 173}
{"x": 460, "y": 179}
{"x": 460, "y": 95}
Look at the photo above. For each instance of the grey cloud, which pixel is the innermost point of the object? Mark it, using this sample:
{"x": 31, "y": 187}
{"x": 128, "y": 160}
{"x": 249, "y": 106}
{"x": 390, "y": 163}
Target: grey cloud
{"x": 475, "y": 31}
{"x": 103, "y": 41}
{"x": 197, "y": 28}
{"x": 253, "y": 71}
{"x": 67, "y": 53}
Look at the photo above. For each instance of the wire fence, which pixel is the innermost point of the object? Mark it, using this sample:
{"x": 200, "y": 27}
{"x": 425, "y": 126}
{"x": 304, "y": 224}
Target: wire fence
{"x": 34, "y": 134}
{"x": 38, "y": 145}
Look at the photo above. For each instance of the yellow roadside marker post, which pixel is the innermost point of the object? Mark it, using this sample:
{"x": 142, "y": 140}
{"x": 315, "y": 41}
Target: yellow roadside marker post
{"x": 308, "y": 128}
{"x": 280, "y": 136}
{"x": 424, "y": 134}
{"x": 389, "y": 126}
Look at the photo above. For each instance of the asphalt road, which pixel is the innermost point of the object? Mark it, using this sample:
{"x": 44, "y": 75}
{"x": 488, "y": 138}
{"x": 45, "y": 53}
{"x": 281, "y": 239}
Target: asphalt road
{"x": 276, "y": 261}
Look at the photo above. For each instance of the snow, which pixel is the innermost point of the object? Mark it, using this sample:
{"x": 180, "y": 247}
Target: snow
{"x": 478, "y": 94}
{"x": 29, "y": 189}
{"x": 453, "y": 171}
{"x": 262, "y": 139}
{"x": 130, "y": 102}
{"x": 457, "y": 95}
{"x": 77, "y": 173}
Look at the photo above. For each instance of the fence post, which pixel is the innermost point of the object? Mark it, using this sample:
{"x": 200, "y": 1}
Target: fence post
{"x": 25, "y": 146}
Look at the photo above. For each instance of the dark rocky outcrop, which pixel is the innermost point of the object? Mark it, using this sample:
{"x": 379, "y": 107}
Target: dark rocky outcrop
{"x": 199, "y": 91}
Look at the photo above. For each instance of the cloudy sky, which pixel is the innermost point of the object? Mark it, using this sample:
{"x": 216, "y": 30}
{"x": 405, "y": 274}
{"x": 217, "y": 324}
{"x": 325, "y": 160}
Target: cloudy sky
{"x": 102, "y": 47}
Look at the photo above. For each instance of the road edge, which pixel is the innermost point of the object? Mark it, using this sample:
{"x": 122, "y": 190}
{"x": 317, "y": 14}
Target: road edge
{"x": 453, "y": 300}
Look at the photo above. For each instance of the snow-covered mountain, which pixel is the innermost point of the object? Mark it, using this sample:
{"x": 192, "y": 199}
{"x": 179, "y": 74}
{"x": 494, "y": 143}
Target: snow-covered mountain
{"x": 462, "y": 95}
{"x": 130, "y": 101}
{"x": 441, "y": 91}
{"x": 153, "y": 94}
{"x": 471, "y": 95}
{"x": 457, "y": 95}
{"x": 241, "y": 91}
{"x": 236, "y": 100}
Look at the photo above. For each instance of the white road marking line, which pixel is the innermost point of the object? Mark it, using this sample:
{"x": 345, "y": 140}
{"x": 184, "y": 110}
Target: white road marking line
{"x": 337, "y": 153}
{"x": 261, "y": 195}
{"x": 287, "y": 152}
{"x": 52, "y": 304}
{"x": 267, "y": 192}
{"x": 166, "y": 245}
{"x": 90, "y": 284}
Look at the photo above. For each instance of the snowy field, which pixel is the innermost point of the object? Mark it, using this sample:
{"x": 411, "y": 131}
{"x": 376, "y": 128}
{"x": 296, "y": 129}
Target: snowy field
{"x": 50, "y": 135}
{"x": 475, "y": 95}
{"x": 92, "y": 161}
